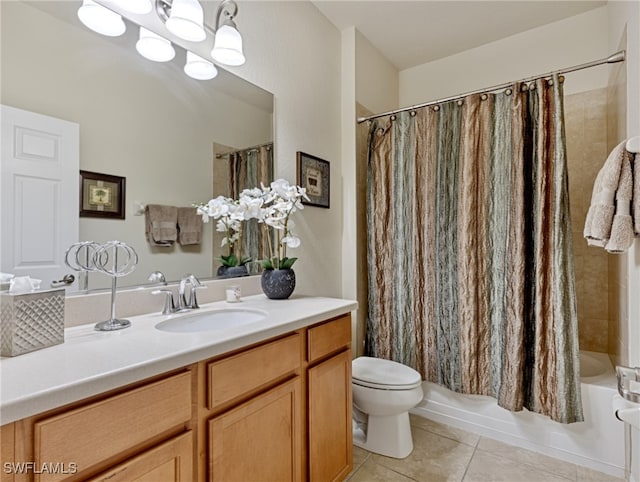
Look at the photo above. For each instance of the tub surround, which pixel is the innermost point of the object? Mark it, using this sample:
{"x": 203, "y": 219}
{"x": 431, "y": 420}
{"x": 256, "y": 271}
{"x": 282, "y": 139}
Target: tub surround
{"x": 596, "y": 443}
{"x": 91, "y": 362}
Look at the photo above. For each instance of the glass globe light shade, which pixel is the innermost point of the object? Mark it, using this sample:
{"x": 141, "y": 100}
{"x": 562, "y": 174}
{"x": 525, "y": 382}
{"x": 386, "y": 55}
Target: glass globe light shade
{"x": 187, "y": 20}
{"x": 100, "y": 19}
{"x": 227, "y": 47}
{"x": 153, "y": 47}
{"x": 199, "y": 68}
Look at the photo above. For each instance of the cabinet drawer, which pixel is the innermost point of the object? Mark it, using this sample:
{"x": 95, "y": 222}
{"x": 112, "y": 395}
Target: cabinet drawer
{"x": 328, "y": 338}
{"x": 232, "y": 377}
{"x": 171, "y": 461}
{"x": 91, "y": 434}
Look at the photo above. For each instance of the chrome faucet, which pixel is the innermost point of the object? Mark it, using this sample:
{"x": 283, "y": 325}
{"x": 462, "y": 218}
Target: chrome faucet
{"x": 183, "y": 304}
{"x": 157, "y": 277}
{"x": 192, "y": 303}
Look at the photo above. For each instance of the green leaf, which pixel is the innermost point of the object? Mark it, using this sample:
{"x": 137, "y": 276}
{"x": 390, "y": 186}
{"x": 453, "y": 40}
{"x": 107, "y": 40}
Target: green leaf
{"x": 287, "y": 263}
{"x": 266, "y": 264}
{"x": 230, "y": 260}
{"x": 244, "y": 260}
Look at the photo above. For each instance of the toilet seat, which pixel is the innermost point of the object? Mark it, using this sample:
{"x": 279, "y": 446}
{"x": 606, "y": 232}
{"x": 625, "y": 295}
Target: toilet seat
{"x": 384, "y": 374}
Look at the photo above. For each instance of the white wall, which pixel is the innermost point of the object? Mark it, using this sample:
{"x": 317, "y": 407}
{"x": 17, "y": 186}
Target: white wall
{"x": 624, "y": 20}
{"x": 145, "y": 121}
{"x": 293, "y": 51}
{"x": 370, "y": 80}
{"x": 376, "y": 82}
{"x": 565, "y": 43}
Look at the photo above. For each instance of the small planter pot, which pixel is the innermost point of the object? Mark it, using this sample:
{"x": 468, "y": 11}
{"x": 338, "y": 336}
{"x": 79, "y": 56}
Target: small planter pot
{"x": 232, "y": 271}
{"x": 278, "y": 284}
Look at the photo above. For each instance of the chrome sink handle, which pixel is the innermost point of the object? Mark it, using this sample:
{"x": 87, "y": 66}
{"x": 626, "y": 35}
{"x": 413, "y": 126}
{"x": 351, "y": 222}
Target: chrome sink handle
{"x": 169, "y": 305}
{"x": 193, "y": 301}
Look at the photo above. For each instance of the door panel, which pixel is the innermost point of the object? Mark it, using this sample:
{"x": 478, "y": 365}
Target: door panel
{"x": 259, "y": 440}
{"x": 39, "y": 180}
{"x": 330, "y": 435}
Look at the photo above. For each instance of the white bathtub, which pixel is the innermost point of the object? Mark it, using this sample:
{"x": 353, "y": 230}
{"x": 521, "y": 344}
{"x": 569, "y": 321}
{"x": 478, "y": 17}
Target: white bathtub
{"x": 597, "y": 443}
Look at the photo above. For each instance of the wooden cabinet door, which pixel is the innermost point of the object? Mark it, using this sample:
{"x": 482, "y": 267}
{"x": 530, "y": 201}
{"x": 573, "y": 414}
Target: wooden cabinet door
{"x": 259, "y": 440}
{"x": 171, "y": 461}
{"x": 330, "y": 430}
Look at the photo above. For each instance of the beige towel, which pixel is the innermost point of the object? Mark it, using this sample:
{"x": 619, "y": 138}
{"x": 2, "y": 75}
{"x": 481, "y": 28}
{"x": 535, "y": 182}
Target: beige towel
{"x": 609, "y": 223}
{"x": 622, "y": 234}
{"x": 189, "y": 226}
{"x": 161, "y": 224}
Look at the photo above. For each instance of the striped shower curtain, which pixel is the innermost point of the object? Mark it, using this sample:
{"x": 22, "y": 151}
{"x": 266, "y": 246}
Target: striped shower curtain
{"x": 248, "y": 169}
{"x": 471, "y": 278}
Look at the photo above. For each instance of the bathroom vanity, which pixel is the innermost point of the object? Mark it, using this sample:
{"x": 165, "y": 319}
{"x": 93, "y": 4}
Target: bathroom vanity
{"x": 269, "y": 400}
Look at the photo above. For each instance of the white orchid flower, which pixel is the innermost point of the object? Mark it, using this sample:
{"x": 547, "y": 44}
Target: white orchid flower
{"x": 302, "y": 191}
{"x": 291, "y": 241}
{"x": 252, "y": 193}
{"x": 274, "y": 222}
{"x": 203, "y": 212}
{"x": 252, "y": 207}
{"x": 280, "y": 187}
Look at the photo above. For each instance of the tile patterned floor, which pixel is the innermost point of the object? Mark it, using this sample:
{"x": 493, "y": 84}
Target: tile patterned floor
{"x": 443, "y": 453}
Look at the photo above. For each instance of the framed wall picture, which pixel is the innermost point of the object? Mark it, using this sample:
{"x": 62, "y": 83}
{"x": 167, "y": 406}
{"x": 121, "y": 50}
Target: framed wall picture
{"x": 313, "y": 175}
{"x": 101, "y": 195}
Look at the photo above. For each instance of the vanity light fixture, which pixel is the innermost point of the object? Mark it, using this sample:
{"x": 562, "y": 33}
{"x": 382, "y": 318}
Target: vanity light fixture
{"x": 186, "y": 19}
{"x": 153, "y": 47}
{"x": 100, "y": 19}
{"x": 227, "y": 47}
{"x": 199, "y": 68}
{"x": 139, "y": 7}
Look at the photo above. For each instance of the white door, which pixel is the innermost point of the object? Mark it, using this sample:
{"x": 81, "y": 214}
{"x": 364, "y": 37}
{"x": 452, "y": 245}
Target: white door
{"x": 39, "y": 182}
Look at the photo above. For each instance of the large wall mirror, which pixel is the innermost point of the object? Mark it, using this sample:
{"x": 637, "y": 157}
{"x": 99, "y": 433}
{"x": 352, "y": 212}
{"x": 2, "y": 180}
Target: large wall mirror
{"x": 169, "y": 135}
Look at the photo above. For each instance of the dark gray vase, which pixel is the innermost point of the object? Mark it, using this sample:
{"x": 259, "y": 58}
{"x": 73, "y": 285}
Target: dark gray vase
{"x": 232, "y": 271}
{"x": 278, "y": 284}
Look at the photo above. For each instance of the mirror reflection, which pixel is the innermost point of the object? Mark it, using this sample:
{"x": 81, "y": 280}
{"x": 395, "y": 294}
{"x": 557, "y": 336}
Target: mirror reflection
{"x": 176, "y": 140}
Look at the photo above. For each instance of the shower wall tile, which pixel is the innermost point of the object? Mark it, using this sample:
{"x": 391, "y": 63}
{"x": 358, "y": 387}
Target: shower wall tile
{"x": 586, "y": 134}
{"x": 593, "y": 334}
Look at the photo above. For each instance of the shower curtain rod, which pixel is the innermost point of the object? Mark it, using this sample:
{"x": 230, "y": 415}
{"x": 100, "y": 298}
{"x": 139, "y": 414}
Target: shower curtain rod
{"x": 612, "y": 59}
{"x": 268, "y": 144}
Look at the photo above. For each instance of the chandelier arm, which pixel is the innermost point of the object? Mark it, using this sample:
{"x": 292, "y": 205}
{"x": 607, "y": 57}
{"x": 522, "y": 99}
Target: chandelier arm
{"x": 163, "y": 9}
{"x": 227, "y": 7}
{"x": 230, "y": 10}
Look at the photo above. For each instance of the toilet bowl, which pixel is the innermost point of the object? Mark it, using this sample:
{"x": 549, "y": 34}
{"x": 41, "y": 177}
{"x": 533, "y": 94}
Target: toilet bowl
{"x": 383, "y": 393}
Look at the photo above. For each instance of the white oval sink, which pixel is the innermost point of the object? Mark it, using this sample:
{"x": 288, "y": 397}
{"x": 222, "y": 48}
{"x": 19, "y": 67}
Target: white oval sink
{"x": 211, "y": 320}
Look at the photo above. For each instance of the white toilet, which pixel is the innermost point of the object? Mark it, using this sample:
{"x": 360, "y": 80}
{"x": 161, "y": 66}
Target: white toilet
{"x": 383, "y": 393}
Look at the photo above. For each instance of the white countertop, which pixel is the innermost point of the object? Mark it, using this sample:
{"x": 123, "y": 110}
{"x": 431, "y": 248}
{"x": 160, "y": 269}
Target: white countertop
{"x": 91, "y": 362}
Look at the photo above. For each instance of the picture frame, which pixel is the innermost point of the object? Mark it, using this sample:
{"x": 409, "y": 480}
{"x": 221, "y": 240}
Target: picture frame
{"x": 313, "y": 174}
{"x": 102, "y": 195}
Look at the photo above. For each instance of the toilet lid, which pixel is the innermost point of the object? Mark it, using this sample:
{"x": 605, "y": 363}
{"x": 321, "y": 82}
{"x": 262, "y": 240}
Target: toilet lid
{"x": 386, "y": 374}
